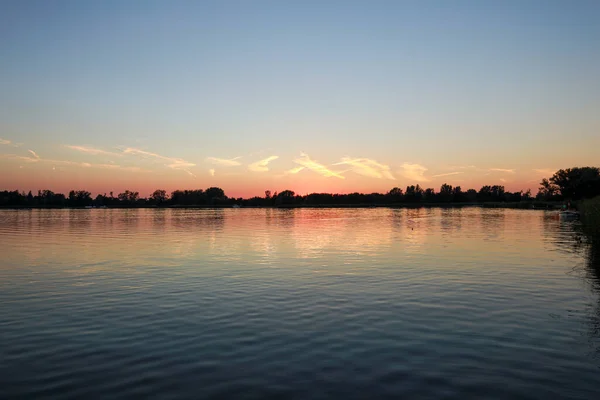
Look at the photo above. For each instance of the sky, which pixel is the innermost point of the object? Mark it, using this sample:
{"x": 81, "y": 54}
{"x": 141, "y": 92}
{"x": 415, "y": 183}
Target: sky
{"x": 312, "y": 96}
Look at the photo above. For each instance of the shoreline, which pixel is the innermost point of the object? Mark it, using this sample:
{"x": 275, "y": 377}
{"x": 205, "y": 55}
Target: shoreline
{"x": 519, "y": 205}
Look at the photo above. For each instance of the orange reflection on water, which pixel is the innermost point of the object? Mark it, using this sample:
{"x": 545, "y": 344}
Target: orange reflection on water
{"x": 358, "y": 239}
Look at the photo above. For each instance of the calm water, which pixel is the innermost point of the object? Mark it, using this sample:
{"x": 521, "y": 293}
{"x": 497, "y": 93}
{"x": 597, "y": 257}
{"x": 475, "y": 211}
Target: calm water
{"x": 334, "y": 303}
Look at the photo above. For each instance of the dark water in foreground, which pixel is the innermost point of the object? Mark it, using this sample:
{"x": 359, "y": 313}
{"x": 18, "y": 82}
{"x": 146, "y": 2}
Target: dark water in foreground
{"x": 335, "y": 303}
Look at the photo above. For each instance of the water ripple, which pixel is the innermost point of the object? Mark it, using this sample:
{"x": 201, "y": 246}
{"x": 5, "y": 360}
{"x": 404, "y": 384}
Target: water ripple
{"x": 333, "y": 303}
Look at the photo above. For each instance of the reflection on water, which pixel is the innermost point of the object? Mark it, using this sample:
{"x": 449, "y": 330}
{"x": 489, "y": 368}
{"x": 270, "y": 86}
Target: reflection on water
{"x": 568, "y": 237}
{"x": 323, "y": 303}
{"x": 593, "y": 274}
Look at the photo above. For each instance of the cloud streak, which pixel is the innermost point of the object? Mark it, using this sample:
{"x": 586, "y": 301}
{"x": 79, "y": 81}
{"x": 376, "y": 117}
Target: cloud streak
{"x": 447, "y": 174}
{"x": 92, "y": 150}
{"x": 172, "y": 162}
{"x": 7, "y": 142}
{"x": 367, "y": 167}
{"x": 262, "y": 165}
{"x": 462, "y": 167}
{"x": 101, "y": 166}
{"x": 294, "y": 170}
{"x": 506, "y": 170}
{"x": 223, "y": 161}
{"x": 414, "y": 172}
{"x": 66, "y": 162}
{"x": 306, "y": 162}
{"x": 144, "y": 153}
{"x": 181, "y": 164}
{"x": 35, "y": 158}
{"x": 119, "y": 167}
{"x": 545, "y": 171}
{"x": 19, "y": 158}
{"x": 211, "y": 172}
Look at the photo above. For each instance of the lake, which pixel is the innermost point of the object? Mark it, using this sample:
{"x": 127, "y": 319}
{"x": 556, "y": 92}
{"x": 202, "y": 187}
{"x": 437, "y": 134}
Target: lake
{"x": 301, "y": 303}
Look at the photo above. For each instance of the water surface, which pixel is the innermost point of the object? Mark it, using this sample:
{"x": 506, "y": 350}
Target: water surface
{"x": 304, "y": 303}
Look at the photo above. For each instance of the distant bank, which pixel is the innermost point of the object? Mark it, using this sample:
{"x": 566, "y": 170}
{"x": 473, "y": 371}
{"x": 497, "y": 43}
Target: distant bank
{"x": 521, "y": 205}
{"x": 565, "y": 187}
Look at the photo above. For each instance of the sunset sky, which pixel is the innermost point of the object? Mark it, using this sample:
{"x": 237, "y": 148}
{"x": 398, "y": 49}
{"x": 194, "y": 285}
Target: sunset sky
{"x": 336, "y": 96}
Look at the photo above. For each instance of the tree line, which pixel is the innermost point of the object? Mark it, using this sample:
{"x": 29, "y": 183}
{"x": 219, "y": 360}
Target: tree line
{"x": 569, "y": 184}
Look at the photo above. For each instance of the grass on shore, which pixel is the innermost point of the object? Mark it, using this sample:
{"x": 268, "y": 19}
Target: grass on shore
{"x": 590, "y": 217}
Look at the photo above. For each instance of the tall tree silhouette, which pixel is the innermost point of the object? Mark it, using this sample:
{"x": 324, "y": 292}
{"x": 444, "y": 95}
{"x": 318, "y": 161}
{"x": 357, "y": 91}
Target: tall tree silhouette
{"x": 159, "y": 197}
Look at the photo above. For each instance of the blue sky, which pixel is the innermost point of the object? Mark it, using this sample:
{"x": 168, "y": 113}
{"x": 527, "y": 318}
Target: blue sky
{"x": 511, "y": 85}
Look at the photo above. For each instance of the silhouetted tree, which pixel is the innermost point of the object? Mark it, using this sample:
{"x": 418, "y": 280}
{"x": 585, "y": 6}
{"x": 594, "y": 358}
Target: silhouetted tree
{"x": 457, "y": 195}
{"x": 214, "y": 195}
{"x": 547, "y": 190}
{"x": 419, "y": 193}
{"x": 159, "y": 197}
{"x": 188, "y": 197}
{"x": 99, "y": 200}
{"x": 574, "y": 183}
{"x": 287, "y": 193}
{"x": 485, "y": 193}
{"x": 79, "y": 198}
{"x": 319, "y": 198}
{"x": 413, "y": 193}
{"x": 497, "y": 192}
{"x": 445, "y": 194}
{"x": 213, "y": 192}
{"x": 409, "y": 194}
{"x": 395, "y": 195}
{"x": 429, "y": 195}
{"x": 285, "y": 197}
{"x": 471, "y": 195}
{"x": 128, "y": 197}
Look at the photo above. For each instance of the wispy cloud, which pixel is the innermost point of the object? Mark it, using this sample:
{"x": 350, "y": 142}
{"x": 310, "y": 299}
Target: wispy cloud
{"x": 7, "y": 142}
{"x": 36, "y": 158}
{"x": 66, "y": 162}
{"x": 462, "y": 167}
{"x": 211, "y": 172}
{"x": 261, "y": 165}
{"x": 119, "y": 167}
{"x": 108, "y": 166}
{"x": 447, "y": 174}
{"x": 173, "y": 162}
{"x": 180, "y": 164}
{"x": 414, "y": 172}
{"x": 294, "y": 170}
{"x": 144, "y": 153}
{"x": 92, "y": 150}
{"x": 305, "y": 161}
{"x": 545, "y": 171}
{"x": 223, "y": 161}
{"x": 367, "y": 167}
{"x": 20, "y": 158}
{"x": 502, "y": 180}
{"x": 506, "y": 170}
{"x": 101, "y": 166}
